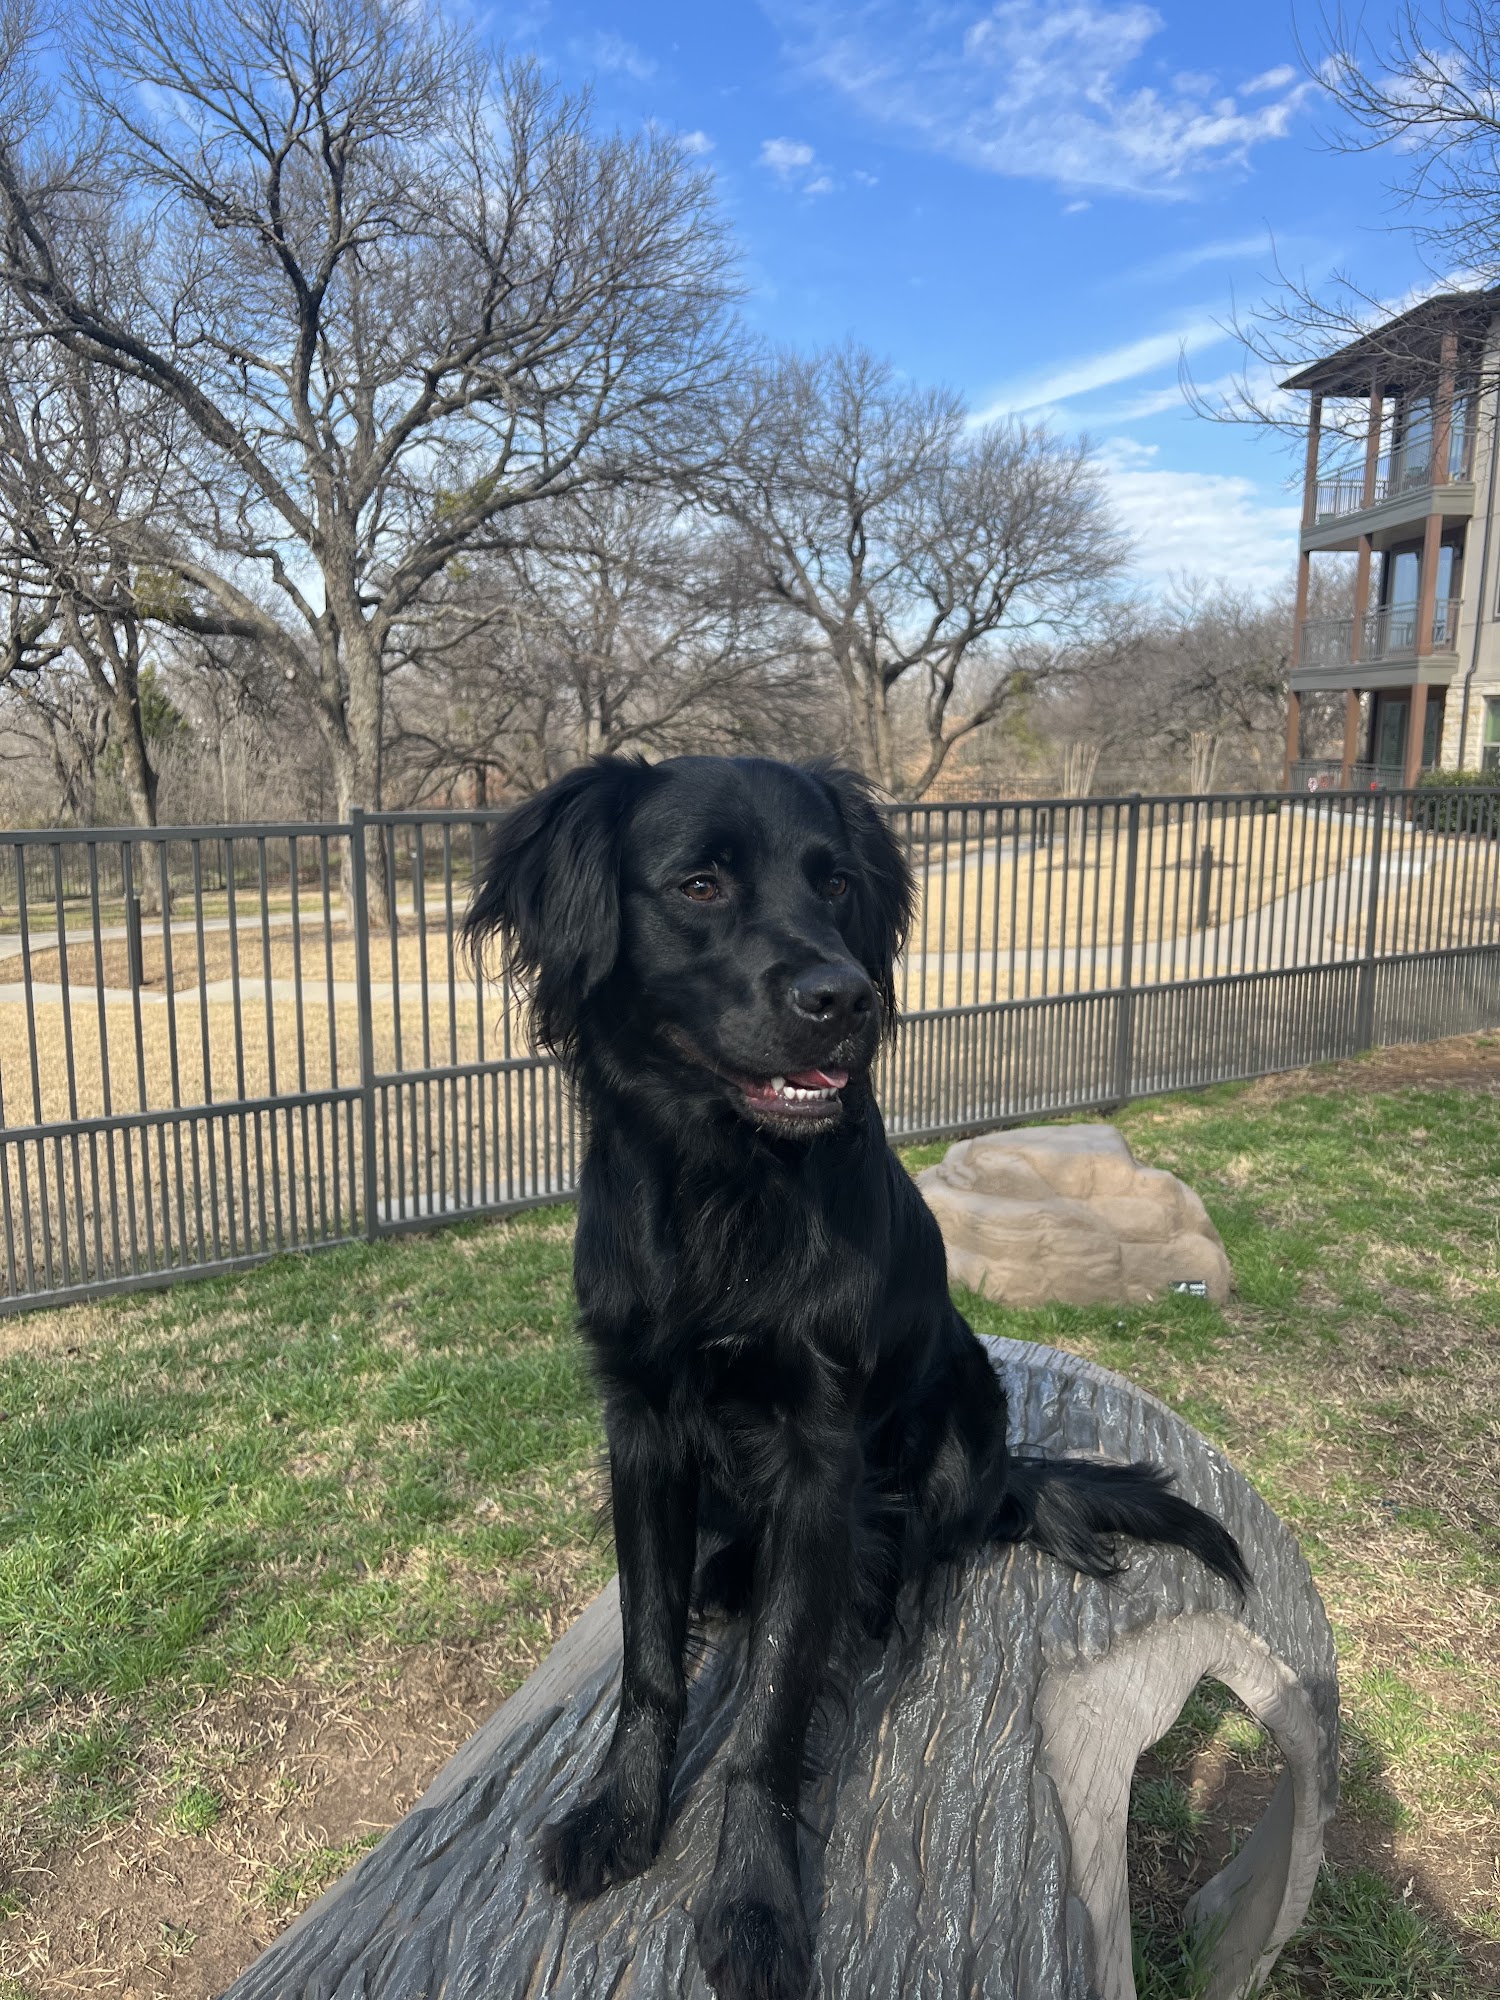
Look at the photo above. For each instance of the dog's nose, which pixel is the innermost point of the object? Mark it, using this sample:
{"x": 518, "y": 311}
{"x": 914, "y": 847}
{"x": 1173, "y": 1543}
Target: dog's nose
{"x": 832, "y": 995}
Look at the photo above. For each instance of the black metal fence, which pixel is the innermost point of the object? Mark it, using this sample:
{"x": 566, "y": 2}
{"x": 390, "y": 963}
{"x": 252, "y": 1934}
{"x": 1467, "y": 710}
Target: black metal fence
{"x": 217, "y": 1043}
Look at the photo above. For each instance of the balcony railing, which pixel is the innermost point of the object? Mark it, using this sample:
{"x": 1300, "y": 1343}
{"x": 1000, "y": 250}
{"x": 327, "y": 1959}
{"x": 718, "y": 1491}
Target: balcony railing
{"x": 1337, "y": 497}
{"x": 1388, "y": 634}
{"x": 1401, "y": 471}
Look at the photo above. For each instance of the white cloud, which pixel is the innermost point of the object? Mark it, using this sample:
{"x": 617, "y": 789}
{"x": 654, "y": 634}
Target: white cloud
{"x": 1200, "y": 524}
{"x": 608, "y": 51}
{"x": 1223, "y": 250}
{"x": 695, "y": 142}
{"x": 785, "y": 156}
{"x": 1077, "y": 207}
{"x": 1032, "y": 89}
{"x": 1269, "y": 79}
{"x": 1100, "y": 371}
{"x": 792, "y": 159}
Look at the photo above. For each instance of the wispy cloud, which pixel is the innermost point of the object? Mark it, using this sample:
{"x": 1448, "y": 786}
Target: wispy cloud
{"x": 785, "y": 157}
{"x": 1269, "y": 79}
{"x": 695, "y": 142}
{"x": 1202, "y": 524}
{"x": 795, "y": 165}
{"x": 1089, "y": 372}
{"x": 1223, "y": 250}
{"x": 611, "y": 52}
{"x": 1036, "y": 90}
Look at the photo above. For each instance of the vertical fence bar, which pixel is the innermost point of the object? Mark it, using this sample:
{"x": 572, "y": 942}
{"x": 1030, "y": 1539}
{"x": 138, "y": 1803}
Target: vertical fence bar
{"x": 1364, "y": 1013}
{"x": 1125, "y": 1024}
{"x": 366, "y": 1019}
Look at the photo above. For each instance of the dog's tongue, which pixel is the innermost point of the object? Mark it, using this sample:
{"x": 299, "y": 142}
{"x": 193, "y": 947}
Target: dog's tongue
{"x": 818, "y": 1079}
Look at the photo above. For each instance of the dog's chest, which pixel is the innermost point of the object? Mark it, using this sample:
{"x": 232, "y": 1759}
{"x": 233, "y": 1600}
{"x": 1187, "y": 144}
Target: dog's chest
{"x": 746, "y": 1273}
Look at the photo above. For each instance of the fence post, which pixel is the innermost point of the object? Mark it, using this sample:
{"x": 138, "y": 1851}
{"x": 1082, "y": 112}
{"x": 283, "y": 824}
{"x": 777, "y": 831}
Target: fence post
{"x": 370, "y": 1178}
{"x": 1125, "y": 1016}
{"x": 1364, "y": 1006}
{"x": 135, "y": 956}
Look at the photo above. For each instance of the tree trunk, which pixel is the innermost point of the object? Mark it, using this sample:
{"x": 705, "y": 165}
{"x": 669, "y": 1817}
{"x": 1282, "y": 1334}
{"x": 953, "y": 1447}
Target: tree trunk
{"x": 355, "y": 741}
{"x": 140, "y": 779}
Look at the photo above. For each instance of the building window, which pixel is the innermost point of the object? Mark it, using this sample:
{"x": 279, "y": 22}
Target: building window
{"x": 1489, "y": 753}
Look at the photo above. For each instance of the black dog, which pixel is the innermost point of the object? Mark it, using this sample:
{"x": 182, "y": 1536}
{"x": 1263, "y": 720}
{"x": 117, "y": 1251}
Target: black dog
{"x": 797, "y": 1415}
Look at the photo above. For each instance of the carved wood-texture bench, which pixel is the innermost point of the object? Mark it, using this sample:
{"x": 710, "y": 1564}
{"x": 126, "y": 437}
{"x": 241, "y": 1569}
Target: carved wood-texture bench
{"x": 965, "y": 1821}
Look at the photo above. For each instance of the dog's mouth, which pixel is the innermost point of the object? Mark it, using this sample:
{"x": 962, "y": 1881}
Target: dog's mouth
{"x": 809, "y": 1096}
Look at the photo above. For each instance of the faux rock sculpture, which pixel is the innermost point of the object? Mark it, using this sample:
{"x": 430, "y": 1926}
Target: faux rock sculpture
{"x": 964, "y": 1827}
{"x": 1065, "y": 1214}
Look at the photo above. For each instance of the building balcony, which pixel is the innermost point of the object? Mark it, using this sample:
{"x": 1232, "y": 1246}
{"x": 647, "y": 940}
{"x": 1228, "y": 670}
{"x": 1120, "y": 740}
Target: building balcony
{"x": 1411, "y": 470}
{"x": 1387, "y": 635}
{"x": 1398, "y": 506}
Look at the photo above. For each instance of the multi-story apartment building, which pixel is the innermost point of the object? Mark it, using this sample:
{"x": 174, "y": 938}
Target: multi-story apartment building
{"x": 1401, "y": 474}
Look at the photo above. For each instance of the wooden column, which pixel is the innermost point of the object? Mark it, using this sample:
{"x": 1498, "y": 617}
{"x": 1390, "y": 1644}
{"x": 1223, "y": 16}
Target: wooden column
{"x": 1299, "y": 616}
{"x": 1372, "y": 442}
{"x": 1351, "y": 738}
{"x": 1294, "y": 700}
{"x": 1366, "y": 555}
{"x": 1432, "y": 542}
{"x": 1310, "y": 466}
{"x": 1442, "y": 412}
{"x": 1416, "y": 729}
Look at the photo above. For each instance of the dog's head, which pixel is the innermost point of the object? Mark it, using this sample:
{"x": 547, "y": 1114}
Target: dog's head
{"x": 733, "y": 920}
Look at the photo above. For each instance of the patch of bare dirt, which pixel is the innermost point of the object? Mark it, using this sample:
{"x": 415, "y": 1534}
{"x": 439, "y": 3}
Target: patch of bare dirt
{"x": 306, "y": 1772}
{"x": 71, "y": 1331}
{"x": 1462, "y": 1062}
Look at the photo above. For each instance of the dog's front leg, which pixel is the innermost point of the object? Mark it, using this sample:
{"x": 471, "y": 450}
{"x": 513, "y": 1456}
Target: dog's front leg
{"x": 615, "y": 1830}
{"x": 753, "y": 1936}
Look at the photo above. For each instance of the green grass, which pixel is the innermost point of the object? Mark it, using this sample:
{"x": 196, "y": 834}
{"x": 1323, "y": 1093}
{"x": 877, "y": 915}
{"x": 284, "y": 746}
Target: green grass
{"x": 291, "y": 1888}
{"x": 313, "y": 1466}
{"x": 328, "y": 1451}
{"x": 332, "y": 1457}
{"x": 1356, "y": 1378}
{"x": 1363, "y": 1937}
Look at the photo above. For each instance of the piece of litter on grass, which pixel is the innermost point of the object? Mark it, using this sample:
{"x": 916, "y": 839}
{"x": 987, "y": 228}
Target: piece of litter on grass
{"x": 1195, "y": 1288}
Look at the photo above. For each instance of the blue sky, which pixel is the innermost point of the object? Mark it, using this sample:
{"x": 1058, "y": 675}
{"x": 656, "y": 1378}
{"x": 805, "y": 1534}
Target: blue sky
{"x": 1036, "y": 204}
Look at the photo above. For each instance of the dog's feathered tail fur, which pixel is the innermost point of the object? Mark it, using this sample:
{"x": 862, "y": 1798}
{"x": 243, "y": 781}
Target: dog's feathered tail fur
{"x": 1074, "y": 1508}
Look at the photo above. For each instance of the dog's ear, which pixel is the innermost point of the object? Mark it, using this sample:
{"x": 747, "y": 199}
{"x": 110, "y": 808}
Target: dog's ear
{"x": 886, "y": 893}
{"x": 550, "y": 892}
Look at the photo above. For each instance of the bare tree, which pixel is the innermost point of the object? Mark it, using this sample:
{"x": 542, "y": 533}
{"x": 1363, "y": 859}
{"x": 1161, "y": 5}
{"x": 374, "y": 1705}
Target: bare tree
{"x": 619, "y": 621}
{"x": 81, "y": 452}
{"x": 1429, "y": 97}
{"x": 1426, "y": 93}
{"x": 59, "y": 724}
{"x": 1192, "y": 690}
{"x": 912, "y": 548}
{"x": 394, "y": 287}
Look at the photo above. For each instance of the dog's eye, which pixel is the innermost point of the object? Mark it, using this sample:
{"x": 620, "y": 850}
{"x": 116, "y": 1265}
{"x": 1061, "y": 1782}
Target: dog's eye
{"x": 836, "y": 885}
{"x": 701, "y": 888}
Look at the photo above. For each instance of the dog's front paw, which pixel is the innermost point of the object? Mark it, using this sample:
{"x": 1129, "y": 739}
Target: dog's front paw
{"x": 753, "y": 1948}
{"x": 598, "y": 1843}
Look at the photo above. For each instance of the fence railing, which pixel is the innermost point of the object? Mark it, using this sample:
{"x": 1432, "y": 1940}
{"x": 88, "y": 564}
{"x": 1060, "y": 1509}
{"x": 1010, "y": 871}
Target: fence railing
{"x": 217, "y": 1043}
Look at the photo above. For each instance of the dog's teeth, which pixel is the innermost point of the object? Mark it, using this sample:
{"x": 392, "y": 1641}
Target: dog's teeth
{"x": 778, "y": 1083}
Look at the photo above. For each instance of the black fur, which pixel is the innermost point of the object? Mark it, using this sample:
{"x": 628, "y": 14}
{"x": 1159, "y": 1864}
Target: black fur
{"x": 798, "y": 1417}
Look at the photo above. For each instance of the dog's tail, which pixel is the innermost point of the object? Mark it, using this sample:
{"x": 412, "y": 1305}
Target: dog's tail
{"x": 1074, "y": 1508}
